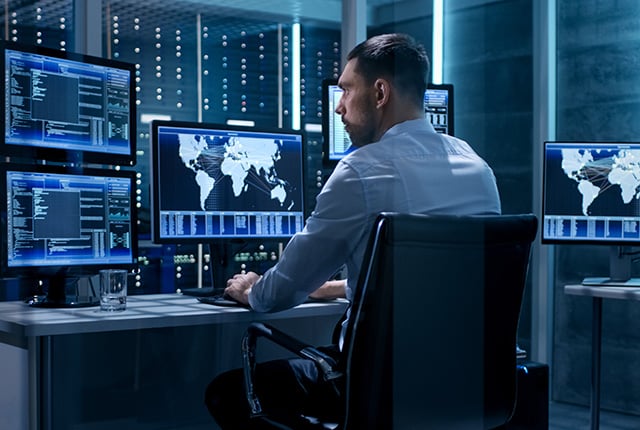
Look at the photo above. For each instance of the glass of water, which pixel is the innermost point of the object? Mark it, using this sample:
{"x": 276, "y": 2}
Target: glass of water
{"x": 113, "y": 290}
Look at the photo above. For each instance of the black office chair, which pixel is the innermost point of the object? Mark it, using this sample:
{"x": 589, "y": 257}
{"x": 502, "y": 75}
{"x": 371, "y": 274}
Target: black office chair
{"x": 431, "y": 341}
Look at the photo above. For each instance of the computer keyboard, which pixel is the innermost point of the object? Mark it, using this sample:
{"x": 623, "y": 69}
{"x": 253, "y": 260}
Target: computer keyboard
{"x": 211, "y": 296}
{"x": 201, "y": 292}
{"x": 221, "y": 300}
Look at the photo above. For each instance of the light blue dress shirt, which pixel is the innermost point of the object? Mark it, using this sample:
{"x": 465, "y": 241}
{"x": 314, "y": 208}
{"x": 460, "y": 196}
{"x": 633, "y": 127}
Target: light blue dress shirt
{"x": 411, "y": 169}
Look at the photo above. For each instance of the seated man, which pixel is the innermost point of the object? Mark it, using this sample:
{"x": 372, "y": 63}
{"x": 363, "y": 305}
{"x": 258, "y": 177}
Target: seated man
{"x": 401, "y": 165}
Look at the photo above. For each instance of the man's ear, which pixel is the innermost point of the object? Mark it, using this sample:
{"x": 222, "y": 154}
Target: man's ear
{"x": 383, "y": 91}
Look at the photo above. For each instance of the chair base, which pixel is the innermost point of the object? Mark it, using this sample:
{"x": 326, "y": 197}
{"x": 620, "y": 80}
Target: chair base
{"x": 532, "y": 404}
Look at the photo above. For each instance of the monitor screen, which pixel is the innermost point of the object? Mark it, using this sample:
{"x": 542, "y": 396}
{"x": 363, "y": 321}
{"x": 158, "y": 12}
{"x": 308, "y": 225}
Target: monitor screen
{"x": 438, "y": 107}
{"x": 336, "y": 142}
{"x": 222, "y": 182}
{"x": 63, "y": 106}
{"x": 590, "y": 193}
{"x": 62, "y": 221}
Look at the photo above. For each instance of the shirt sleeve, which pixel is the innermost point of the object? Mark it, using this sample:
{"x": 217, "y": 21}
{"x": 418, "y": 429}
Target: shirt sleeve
{"x": 320, "y": 249}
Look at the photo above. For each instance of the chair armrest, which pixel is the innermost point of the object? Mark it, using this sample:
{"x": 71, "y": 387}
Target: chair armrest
{"x": 325, "y": 363}
{"x": 257, "y": 329}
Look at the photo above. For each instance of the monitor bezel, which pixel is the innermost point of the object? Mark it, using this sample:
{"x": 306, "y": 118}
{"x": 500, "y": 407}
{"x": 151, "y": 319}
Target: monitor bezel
{"x": 543, "y": 193}
{"x": 326, "y": 83}
{"x": 155, "y": 209}
{"x": 74, "y": 156}
{"x": 35, "y": 272}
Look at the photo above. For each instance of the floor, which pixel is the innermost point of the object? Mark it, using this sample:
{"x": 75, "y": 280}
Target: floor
{"x": 564, "y": 416}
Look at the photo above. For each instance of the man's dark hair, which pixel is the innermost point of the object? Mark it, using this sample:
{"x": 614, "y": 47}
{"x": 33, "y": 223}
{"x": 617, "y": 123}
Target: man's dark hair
{"x": 397, "y": 57}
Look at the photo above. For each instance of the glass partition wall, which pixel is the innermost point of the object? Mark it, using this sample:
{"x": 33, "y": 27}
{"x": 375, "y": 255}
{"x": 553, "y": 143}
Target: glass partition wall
{"x": 598, "y": 99}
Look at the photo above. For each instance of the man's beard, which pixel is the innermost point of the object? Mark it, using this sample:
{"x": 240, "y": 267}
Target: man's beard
{"x": 361, "y": 139}
{"x": 362, "y": 135}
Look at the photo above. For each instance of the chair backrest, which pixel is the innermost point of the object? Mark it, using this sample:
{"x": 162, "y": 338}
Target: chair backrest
{"x": 431, "y": 341}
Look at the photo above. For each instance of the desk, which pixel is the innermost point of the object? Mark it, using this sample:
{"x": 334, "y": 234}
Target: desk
{"x": 29, "y": 332}
{"x": 599, "y": 293}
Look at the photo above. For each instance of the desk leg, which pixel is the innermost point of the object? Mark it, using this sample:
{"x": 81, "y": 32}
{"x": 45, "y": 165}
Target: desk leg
{"x": 39, "y": 383}
{"x": 596, "y": 347}
{"x": 34, "y": 368}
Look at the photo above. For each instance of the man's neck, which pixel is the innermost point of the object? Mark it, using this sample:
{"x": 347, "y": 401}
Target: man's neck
{"x": 393, "y": 116}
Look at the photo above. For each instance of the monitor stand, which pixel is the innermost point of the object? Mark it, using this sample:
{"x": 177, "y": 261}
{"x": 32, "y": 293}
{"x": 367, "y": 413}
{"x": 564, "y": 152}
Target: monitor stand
{"x": 57, "y": 297}
{"x": 221, "y": 253}
{"x": 620, "y": 259}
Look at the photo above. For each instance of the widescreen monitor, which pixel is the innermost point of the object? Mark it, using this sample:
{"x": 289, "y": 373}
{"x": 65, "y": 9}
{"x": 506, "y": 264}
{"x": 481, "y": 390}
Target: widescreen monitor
{"x": 63, "y": 222}
{"x": 591, "y": 195}
{"x": 438, "y": 108}
{"x": 217, "y": 182}
{"x": 62, "y": 106}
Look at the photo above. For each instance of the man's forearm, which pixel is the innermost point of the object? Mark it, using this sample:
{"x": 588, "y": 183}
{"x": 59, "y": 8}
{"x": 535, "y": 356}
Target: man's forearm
{"x": 330, "y": 290}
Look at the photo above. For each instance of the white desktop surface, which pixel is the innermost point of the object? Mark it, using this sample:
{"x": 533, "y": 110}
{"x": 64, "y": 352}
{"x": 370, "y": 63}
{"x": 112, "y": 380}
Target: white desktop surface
{"x": 605, "y": 292}
{"x": 143, "y": 312}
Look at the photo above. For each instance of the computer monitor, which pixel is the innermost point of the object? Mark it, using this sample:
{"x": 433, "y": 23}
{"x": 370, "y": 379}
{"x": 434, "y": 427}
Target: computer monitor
{"x": 221, "y": 185}
{"x": 591, "y": 193}
{"x": 62, "y": 106}
{"x": 438, "y": 108}
{"x": 335, "y": 140}
{"x": 63, "y": 222}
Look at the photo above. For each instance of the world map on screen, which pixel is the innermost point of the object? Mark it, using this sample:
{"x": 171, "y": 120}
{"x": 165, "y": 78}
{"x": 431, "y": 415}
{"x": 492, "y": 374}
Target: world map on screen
{"x": 596, "y": 171}
{"x": 248, "y": 162}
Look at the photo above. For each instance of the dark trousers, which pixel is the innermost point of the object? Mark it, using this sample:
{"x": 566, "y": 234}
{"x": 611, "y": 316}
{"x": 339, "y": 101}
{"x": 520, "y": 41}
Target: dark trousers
{"x": 288, "y": 390}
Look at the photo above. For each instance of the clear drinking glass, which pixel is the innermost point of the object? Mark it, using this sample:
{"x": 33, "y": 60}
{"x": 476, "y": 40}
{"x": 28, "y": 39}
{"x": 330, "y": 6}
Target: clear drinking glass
{"x": 113, "y": 290}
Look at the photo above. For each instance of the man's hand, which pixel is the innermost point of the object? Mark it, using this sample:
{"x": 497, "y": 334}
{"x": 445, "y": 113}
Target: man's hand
{"x": 239, "y": 287}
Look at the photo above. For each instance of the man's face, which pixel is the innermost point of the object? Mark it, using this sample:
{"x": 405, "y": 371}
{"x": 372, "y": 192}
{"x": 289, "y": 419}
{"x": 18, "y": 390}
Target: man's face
{"x": 357, "y": 106}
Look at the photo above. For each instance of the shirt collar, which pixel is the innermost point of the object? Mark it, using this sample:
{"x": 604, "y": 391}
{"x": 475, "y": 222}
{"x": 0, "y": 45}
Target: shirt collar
{"x": 412, "y": 125}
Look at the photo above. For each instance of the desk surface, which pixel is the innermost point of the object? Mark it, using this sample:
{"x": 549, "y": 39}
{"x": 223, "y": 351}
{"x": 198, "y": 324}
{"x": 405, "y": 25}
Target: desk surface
{"x": 143, "y": 312}
{"x": 621, "y": 293}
